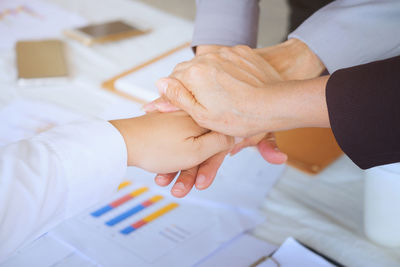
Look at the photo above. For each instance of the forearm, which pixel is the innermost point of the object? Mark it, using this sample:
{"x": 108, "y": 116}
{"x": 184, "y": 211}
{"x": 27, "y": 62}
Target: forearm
{"x": 295, "y": 104}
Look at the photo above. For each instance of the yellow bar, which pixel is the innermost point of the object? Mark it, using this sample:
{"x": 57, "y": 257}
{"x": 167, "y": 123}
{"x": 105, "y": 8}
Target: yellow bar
{"x": 124, "y": 184}
{"x": 139, "y": 191}
{"x": 160, "y": 212}
{"x": 156, "y": 198}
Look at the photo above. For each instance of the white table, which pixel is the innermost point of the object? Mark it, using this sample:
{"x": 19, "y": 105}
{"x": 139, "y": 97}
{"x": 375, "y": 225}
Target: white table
{"x": 324, "y": 211}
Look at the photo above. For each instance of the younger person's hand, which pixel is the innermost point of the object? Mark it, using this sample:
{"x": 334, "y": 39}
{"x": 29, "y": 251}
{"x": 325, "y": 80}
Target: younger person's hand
{"x": 169, "y": 142}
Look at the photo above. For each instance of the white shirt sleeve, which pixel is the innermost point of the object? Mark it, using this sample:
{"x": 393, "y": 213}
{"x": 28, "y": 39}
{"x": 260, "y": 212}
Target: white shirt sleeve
{"x": 346, "y": 33}
{"x": 55, "y": 175}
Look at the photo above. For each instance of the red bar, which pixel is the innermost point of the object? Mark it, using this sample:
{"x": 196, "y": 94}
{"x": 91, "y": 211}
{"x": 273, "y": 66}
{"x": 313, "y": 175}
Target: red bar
{"x": 147, "y": 203}
{"x": 138, "y": 224}
{"x": 121, "y": 201}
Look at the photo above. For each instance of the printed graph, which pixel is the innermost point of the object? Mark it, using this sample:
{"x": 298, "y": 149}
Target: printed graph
{"x": 141, "y": 219}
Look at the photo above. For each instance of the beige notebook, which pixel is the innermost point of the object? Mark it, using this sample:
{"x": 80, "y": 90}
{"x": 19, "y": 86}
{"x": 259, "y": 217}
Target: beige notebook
{"x": 40, "y": 59}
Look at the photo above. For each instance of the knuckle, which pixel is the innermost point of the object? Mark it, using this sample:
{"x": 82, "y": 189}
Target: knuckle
{"x": 196, "y": 70}
{"x": 225, "y": 49}
{"x": 181, "y": 66}
{"x": 211, "y": 56}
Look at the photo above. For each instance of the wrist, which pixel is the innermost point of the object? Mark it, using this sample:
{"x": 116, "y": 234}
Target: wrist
{"x": 204, "y": 49}
{"x": 296, "y": 104}
{"x": 126, "y": 128}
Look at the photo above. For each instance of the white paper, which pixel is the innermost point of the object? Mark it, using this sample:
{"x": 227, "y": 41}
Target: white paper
{"x": 242, "y": 251}
{"x": 201, "y": 230}
{"x": 33, "y": 19}
{"x": 141, "y": 83}
{"x": 293, "y": 254}
{"x": 47, "y": 251}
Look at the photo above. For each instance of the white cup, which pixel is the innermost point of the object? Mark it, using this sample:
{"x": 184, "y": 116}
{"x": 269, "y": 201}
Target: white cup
{"x": 382, "y": 205}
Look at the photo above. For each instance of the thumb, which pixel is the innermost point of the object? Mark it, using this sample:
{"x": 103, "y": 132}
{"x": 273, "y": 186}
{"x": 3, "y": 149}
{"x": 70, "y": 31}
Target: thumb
{"x": 212, "y": 143}
{"x": 161, "y": 104}
{"x": 178, "y": 94}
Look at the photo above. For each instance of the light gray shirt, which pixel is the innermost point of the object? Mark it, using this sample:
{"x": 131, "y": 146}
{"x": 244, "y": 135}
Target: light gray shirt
{"x": 342, "y": 34}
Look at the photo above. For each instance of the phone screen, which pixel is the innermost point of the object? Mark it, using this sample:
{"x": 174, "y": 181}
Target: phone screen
{"x": 109, "y": 28}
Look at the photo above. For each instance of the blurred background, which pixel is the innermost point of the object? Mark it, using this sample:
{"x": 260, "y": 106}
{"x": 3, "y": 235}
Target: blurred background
{"x": 274, "y": 16}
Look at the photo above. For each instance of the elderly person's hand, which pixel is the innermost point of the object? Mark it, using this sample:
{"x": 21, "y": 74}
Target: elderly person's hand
{"x": 293, "y": 60}
{"x": 223, "y": 91}
{"x": 205, "y": 173}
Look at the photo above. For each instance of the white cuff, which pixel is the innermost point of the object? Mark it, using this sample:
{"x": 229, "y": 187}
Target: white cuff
{"x": 94, "y": 157}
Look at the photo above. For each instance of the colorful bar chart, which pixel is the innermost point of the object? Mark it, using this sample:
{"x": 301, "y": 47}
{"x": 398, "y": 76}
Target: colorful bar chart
{"x": 119, "y": 202}
{"x": 124, "y": 184}
{"x": 149, "y": 218}
{"x": 134, "y": 210}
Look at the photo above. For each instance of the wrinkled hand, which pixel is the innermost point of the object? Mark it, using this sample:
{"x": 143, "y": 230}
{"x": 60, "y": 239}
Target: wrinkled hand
{"x": 221, "y": 90}
{"x": 293, "y": 60}
{"x": 203, "y": 175}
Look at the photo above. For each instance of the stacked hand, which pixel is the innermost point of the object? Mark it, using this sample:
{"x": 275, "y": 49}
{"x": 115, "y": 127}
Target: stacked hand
{"x": 238, "y": 92}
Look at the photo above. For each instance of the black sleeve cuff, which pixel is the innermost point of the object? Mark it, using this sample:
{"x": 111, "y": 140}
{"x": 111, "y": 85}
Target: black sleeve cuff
{"x": 364, "y": 111}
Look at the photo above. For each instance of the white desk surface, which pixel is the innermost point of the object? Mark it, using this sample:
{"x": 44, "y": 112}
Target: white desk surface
{"x": 325, "y": 212}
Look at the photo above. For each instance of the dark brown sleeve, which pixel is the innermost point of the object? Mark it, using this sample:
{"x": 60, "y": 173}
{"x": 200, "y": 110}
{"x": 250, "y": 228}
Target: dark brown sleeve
{"x": 364, "y": 111}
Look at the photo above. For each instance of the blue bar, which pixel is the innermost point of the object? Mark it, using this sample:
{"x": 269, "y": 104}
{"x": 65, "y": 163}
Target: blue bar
{"x": 125, "y": 215}
{"x": 101, "y": 211}
{"x": 127, "y": 230}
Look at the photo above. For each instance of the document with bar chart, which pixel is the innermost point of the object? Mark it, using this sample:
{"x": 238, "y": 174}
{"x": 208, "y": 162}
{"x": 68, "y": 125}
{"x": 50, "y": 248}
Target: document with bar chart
{"x": 142, "y": 226}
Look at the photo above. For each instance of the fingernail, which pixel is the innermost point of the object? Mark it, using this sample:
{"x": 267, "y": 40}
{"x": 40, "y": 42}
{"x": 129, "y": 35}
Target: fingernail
{"x": 284, "y": 157}
{"x": 162, "y": 86}
{"x": 148, "y": 107}
{"x": 166, "y": 107}
{"x": 161, "y": 179}
{"x": 200, "y": 181}
{"x": 179, "y": 187}
{"x": 238, "y": 140}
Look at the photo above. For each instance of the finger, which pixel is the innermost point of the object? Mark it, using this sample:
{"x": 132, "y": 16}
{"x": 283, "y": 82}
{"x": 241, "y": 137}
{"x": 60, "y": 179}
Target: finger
{"x": 178, "y": 95}
{"x": 258, "y": 63}
{"x": 238, "y": 147}
{"x": 270, "y": 151}
{"x": 247, "y": 60}
{"x": 250, "y": 141}
{"x": 184, "y": 182}
{"x": 165, "y": 179}
{"x": 208, "y": 170}
{"x": 212, "y": 143}
{"x": 161, "y": 104}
